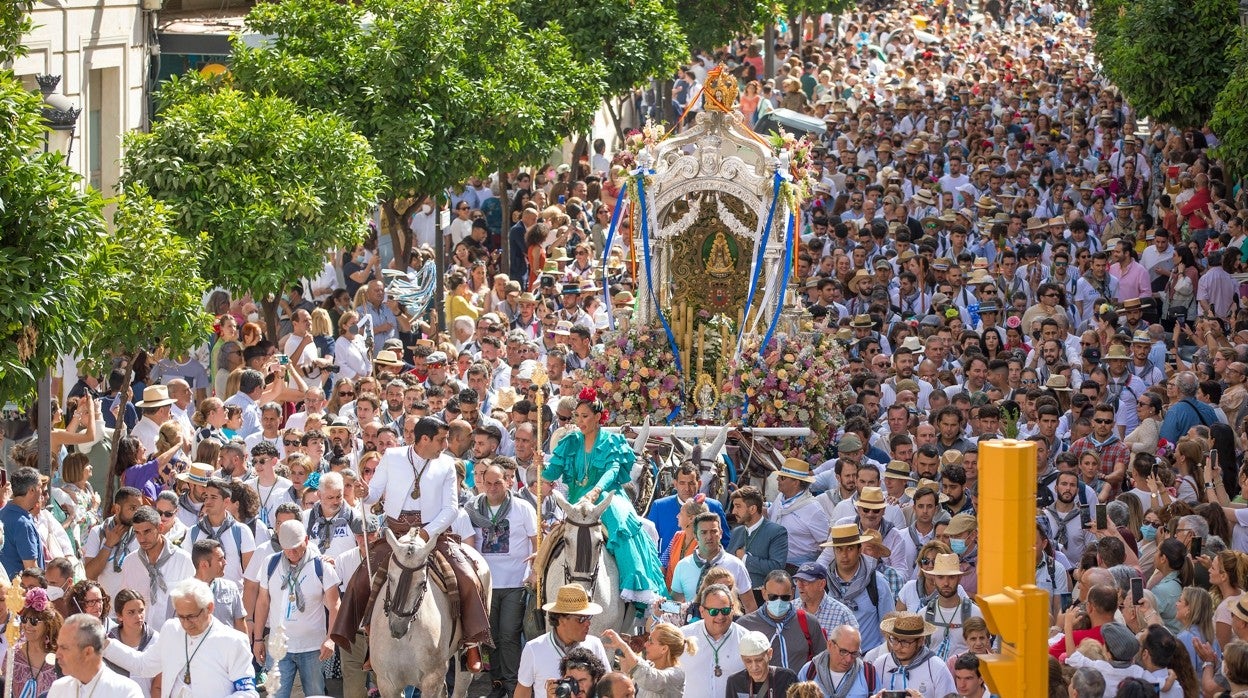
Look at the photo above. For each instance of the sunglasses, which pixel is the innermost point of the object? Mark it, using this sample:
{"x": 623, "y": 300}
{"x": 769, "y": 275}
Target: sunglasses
{"x": 32, "y": 620}
{"x": 564, "y": 418}
{"x": 779, "y": 597}
{"x": 346, "y": 393}
{"x": 166, "y": 514}
{"x": 295, "y": 442}
{"x": 1103, "y": 421}
{"x": 726, "y": 611}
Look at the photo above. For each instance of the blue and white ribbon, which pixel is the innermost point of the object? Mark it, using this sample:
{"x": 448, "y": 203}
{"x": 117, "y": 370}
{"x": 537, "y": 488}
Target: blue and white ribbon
{"x": 785, "y": 270}
{"x": 606, "y": 252}
{"x": 758, "y": 256}
{"x": 640, "y": 175}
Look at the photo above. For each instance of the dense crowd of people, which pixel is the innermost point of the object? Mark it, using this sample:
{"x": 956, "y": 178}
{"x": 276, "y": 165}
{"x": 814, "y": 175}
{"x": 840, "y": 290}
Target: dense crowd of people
{"x": 1000, "y": 247}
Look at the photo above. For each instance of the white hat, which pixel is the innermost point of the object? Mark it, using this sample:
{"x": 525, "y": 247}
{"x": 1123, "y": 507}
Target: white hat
{"x": 291, "y": 534}
{"x": 753, "y": 644}
{"x": 525, "y": 369}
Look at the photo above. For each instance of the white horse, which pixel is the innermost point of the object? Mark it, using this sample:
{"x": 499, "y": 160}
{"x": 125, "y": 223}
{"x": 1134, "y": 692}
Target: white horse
{"x": 584, "y": 560}
{"x": 413, "y": 635}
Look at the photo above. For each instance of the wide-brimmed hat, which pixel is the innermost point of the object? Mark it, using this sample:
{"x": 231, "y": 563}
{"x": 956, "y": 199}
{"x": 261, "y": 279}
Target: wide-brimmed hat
{"x": 196, "y": 474}
{"x": 843, "y": 535}
{"x": 1057, "y": 382}
{"x": 386, "y": 357}
{"x": 563, "y": 327}
{"x": 559, "y": 254}
{"x": 907, "y": 625}
{"x": 947, "y": 565}
{"x": 623, "y": 298}
{"x": 1141, "y": 337}
{"x": 862, "y": 322}
{"x": 871, "y": 498}
{"x": 572, "y": 600}
{"x": 916, "y": 147}
{"x": 932, "y": 485}
{"x": 985, "y": 203}
{"x": 897, "y": 470}
{"x": 1117, "y": 352}
{"x": 912, "y": 344}
{"x": 796, "y": 469}
{"x": 155, "y": 396}
{"x": 1239, "y": 609}
{"x": 1036, "y": 223}
{"x": 925, "y": 197}
{"x": 856, "y": 280}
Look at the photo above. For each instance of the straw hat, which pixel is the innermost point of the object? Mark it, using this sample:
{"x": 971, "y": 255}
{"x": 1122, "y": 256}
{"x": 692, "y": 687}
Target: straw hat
{"x": 1141, "y": 337}
{"x": 1131, "y": 304}
{"x": 1057, "y": 382}
{"x": 572, "y": 600}
{"x": 196, "y": 474}
{"x": 387, "y": 357}
{"x": 856, "y": 280}
{"x": 932, "y": 485}
{"x": 155, "y": 396}
{"x": 946, "y": 566}
{"x": 563, "y": 327}
{"x": 912, "y": 344}
{"x": 844, "y": 535}
{"x": 1117, "y": 353}
{"x": 1036, "y": 223}
{"x": 559, "y": 254}
{"x": 796, "y": 469}
{"x": 907, "y": 625}
{"x": 871, "y": 498}
{"x": 862, "y": 322}
{"x": 897, "y": 470}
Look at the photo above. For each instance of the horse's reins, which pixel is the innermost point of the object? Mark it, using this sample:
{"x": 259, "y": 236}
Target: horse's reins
{"x": 585, "y": 566}
{"x": 394, "y": 602}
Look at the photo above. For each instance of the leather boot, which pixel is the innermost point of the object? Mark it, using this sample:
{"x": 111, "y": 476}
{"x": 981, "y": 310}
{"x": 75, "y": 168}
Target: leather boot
{"x": 472, "y": 659}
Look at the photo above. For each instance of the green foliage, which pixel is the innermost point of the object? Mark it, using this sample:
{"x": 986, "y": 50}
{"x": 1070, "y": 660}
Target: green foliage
{"x": 272, "y": 184}
{"x": 155, "y": 290}
{"x": 1169, "y": 56}
{"x": 1230, "y": 119}
{"x": 634, "y": 41}
{"x": 14, "y": 22}
{"x": 48, "y": 232}
{"x": 1104, "y": 22}
{"x": 709, "y": 24}
{"x": 442, "y": 89}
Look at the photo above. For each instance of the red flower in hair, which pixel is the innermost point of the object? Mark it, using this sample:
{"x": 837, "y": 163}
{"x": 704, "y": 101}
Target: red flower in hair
{"x": 587, "y": 394}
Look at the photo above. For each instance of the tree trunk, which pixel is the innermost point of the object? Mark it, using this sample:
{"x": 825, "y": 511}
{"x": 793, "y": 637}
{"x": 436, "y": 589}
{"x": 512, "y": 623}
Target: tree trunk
{"x": 769, "y": 49}
{"x": 400, "y": 229}
{"x": 615, "y": 119}
{"x": 505, "y": 233}
{"x": 119, "y": 430}
{"x": 269, "y": 303}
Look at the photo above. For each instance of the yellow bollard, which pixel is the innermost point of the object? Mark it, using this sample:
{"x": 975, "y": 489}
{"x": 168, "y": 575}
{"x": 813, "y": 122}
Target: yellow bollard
{"x": 1020, "y": 616}
{"x": 1006, "y": 515}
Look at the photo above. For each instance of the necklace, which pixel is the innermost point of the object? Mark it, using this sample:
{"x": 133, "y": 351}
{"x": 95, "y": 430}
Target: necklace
{"x": 186, "y": 670}
{"x": 416, "y": 476}
{"x": 94, "y": 683}
{"x": 715, "y": 649}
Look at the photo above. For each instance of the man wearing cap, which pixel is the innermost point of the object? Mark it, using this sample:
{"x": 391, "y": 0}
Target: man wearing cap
{"x": 568, "y": 618}
{"x": 854, "y": 581}
{"x": 761, "y": 544}
{"x": 799, "y": 511}
{"x": 298, "y": 592}
{"x": 155, "y": 567}
{"x": 962, "y": 534}
{"x": 759, "y": 677}
{"x": 812, "y": 587}
{"x": 949, "y": 608}
{"x": 795, "y": 635}
{"x": 909, "y": 663}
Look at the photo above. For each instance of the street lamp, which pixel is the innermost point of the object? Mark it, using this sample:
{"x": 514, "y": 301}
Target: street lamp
{"x": 60, "y": 114}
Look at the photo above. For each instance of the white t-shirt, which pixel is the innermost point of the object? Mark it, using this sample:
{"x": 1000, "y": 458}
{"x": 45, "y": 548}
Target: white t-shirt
{"x": 700, "y": 678}
{"x": 236, "y": 541}
{"x": 134, "y": 576}
{"x": 110, "y": 578}
{"x": 685, "y": 576}
{"x": 271, "y": 497}
{"x": 508, "y": 552}
{"x": 306, "y": 629}
{"x": 540, "y": 661}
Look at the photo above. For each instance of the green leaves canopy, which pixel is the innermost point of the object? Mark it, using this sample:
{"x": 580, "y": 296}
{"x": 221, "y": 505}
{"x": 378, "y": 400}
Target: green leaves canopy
{"x": 272, "y": 185}
{"x": 633, "y": 41}
{"x": 443, "y": 90}
{"x": 1169, "y": 57}
{"x": 712, "y": 23}
{"x": 1230, "y": 118}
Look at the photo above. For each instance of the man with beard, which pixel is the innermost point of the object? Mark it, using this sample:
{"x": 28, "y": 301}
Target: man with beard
{"x": 217, "y": 523}
{"x": 949, "y": 608}
{"x": 1067, "y": 518}
{"x": 857, "y": 583}
{"x": 331, "y": 525}
{"x": 155, "y": 567}
{"x": 192, "y": 501}
{"x": 109, "y": 543}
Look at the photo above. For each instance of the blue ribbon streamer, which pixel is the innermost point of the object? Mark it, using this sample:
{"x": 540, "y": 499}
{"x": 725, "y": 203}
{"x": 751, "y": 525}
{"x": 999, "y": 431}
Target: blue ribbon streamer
{"x": 645, "y": 246}
{"x": 784, "y": 287}
{"x": 606, "y": 252}
{"x": 762, "y": 248}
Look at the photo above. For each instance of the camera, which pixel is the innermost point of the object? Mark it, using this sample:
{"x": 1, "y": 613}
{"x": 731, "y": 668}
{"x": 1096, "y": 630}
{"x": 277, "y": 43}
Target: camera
{"x": 567, "y": 687}
{"x": 333, "y": 368}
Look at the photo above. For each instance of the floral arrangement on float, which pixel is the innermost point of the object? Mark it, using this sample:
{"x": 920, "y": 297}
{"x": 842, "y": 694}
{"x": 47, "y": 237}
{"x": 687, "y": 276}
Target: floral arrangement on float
{"x": 797, "y": 380}
{"x": 635, "y": 375}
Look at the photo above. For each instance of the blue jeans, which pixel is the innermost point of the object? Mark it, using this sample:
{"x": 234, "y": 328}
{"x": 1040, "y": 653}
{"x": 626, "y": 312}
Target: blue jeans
{"x": 309, "y": 666}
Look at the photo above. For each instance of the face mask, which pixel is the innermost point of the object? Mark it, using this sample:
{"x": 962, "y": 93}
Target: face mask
{"x": 779, "y": 608}
{"x": 55, "y": 593}
{"x": 1148, "y": 532}
{"x": 958, "y": 546}
{"x": 253, "y": 317}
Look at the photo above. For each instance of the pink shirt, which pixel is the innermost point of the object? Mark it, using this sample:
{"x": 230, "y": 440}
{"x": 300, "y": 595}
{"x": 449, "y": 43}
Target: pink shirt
{"x": 1132, "y": 282}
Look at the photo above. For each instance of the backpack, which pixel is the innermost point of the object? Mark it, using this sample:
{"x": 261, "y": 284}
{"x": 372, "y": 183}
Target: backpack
{"x": 868, "y": 673}
{"x": 964, "y": 612}
{"x": 276, "y": 559}
{"x": 238, "y": 538}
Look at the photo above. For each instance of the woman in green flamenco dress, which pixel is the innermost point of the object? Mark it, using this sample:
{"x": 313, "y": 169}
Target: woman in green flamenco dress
{"x": 590, "y": 462}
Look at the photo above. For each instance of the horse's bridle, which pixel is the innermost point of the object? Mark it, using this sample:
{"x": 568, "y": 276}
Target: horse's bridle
{"x": 585, "y": 567}
{"x": 395, "y": 601}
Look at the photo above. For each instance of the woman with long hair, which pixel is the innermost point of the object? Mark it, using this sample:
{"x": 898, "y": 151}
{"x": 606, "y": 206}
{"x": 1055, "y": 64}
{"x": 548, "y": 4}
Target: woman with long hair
{"x": 76, "y": 472}
{"x": 137, "y": 470}
{"x": 34, "y": 663}
{"x": 1162, "y": 655}
{"x": 209, "y": 420}
{"x": 592, "y": 462}
{"x": 1189, "y": 454}
{"x": 133, "y": 631}
{"x": 658, "y": 673}
{"x": 1090, "y": 475}
{"x": 1173, "y": 572}
{"x": 1228, "y": 575}
{"x": 1194, "y": 612}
